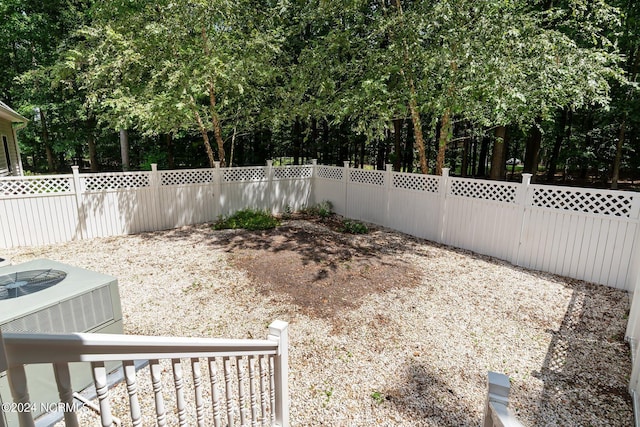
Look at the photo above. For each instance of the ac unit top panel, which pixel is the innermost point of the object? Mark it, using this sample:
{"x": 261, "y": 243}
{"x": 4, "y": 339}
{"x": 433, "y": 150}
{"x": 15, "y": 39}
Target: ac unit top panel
{"x": 77, "y": 282}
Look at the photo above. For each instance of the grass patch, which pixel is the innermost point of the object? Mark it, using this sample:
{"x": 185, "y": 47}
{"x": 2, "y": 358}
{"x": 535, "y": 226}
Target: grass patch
{"x": 248, "y": 219}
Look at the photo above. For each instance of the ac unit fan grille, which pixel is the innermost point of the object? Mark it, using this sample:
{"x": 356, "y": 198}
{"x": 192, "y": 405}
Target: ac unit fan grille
{"x": 79, "y": 314}
{"x": 21, "y": 283}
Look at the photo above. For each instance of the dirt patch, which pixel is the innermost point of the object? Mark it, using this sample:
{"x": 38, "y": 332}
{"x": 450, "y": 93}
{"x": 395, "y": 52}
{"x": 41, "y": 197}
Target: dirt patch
{"x": 318, "y": 268}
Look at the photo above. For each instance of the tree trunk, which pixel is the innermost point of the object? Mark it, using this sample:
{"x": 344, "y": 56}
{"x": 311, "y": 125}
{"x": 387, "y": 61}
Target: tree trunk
{"x": 616, "y": 163}
{"x": 484, "y": 153}
{"x": 443, "y": 139}
{"x": 297, "y": 140}
{"x": 124, "y": 149}
{"x": 417, "y": 134}
{"x": 498, "y": 156}
{"x": 555, "y": 152}
{"x": 465, "y": 158}
{"x": 397, "y": 144}
{"x": 51, "y": 160}
{"x": 532, "y": 150}
{"x": 203, "y": 132}
{"x": 91, "y": 142}
{"x": 408, "y": 151}
{"x": 215, "y": 119}
{"x": 168, "y": 142}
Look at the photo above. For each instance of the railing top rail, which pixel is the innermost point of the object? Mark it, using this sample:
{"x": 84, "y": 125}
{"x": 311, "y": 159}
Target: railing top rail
{"x": 25, "y": 348}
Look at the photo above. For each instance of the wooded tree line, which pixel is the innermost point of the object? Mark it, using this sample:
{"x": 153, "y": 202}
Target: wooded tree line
{"x": 465, "y": 84}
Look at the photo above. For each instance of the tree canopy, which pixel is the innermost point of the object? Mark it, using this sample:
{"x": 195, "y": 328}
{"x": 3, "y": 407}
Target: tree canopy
{"x": 424, "y": 85}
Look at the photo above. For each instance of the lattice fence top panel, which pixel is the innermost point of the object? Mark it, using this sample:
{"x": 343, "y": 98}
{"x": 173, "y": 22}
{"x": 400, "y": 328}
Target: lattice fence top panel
{"x": 40, "y": 185}
{"x": 292, "y": 172}
{"x": 330, "y": 172}
{"x": 366, "y": 177}
{"x": 408, "y": 181}
{"x": 244, "y": 174}
{"x": 186, "y": 177}
{"x": 589, "y": 201}
{"x": 494, "y": 191}
{"x": 125, "y": 180}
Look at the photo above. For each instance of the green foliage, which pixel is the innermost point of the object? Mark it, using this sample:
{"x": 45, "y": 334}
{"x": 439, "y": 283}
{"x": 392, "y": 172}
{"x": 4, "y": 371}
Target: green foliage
{"x": 354, "y": 227}
{"x": 377, "y": 397}
{"x": 323, "y": 209}
{"x": 248, "y": 219}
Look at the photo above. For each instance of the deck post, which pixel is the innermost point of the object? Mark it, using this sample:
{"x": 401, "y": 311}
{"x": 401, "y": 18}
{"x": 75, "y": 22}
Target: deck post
{"x": 497, "y": 393}
{"x": 278, "y": 331}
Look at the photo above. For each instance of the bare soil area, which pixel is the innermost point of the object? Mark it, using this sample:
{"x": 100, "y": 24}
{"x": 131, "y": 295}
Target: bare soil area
{"x": 385, "y": 329}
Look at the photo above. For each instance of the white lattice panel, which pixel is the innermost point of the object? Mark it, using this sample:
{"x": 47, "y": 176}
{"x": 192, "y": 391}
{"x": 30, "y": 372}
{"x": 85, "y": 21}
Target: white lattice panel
{"x": 366, "y": 177}
{"x": 292, "y": 172}
{"x": 416, "y": 182}
{"x": 115, "y": 181}
{"x": 592, "y": 202}
{"x": 329, "y": 172}
{"x": 186, "y": 177}
{"x": 244, "y": 174}
{"x": 23, "y": 187}
{"x": 494, "y": 191}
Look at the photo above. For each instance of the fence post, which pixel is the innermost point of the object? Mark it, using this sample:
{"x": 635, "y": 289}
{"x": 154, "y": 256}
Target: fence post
{"x": 279, "y": 331}
{"x": 388, "y": 185}
{"x": 82, "y": 216}
{"x": 217, "y": 190}
{"x": 270, "y": 198}
{"x": 521, "y": 201}
{"x": 155, "y": 182}
{"x": 497, "y": 393}
{"x": 312, "y": 196}
{"x": 345, "y": 179}
{"x": 444, "y": 185}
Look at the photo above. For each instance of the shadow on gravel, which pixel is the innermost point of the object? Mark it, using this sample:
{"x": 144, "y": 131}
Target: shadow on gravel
{"x": 573, "y": 372}
{"x": 427, "y": 397}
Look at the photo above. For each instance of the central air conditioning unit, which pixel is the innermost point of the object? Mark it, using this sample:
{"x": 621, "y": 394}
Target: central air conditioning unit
{"x": 50, "y": 297}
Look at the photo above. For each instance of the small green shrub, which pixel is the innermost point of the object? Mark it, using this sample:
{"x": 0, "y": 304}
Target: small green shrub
{"x": 323, "y": 209}
{"x": 248, "y": 219}
{"x": 354, "y": 227}
{"x": 377, "y": 397}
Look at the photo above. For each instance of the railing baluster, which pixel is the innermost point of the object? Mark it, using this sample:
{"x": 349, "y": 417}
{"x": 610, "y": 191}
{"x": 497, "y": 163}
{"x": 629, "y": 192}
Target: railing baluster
{"x": 242, "y": 398}
{"x": 129, "y": 368}
{"x": 215, "y": 393}
{"x": 252, "y": 390}
{"x": 264, "y": 392}
{"x": 227, "y": 389}
{"x": 197, "y": 389}
{"x": 272, "y": 389}
{"x": 156, "y": 381}
{"x": 65, "y": 391}
{"x": 179, "y": 383}
{"x": 20, "y": 393}
{"x": 102, "y": 390}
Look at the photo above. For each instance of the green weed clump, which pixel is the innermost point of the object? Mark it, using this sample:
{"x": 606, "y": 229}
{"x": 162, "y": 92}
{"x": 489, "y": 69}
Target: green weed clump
{"x": 323, "y": 209}
{"x": 354, "y": 227}
{"x": 248, "y": 219}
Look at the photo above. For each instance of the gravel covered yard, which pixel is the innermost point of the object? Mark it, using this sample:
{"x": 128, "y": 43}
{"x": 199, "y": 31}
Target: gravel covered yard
{"x": 385, "y": 329}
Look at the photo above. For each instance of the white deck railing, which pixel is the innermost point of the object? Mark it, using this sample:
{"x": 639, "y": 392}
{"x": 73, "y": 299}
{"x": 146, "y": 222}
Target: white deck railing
{"x": 261, "y": 398}
{"x": 496, "y": 411}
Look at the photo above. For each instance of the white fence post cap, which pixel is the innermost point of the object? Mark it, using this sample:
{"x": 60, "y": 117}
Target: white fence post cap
{"x": 445, "y": 171}
{"x": 154, "y": 167}
{"x": 269, "y": 163}
{"x": 346, "y": 163}
{"x": 216, "y": 164}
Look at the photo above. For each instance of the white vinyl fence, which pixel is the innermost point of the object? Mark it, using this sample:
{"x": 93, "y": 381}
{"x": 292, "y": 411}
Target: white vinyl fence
{"x": 41, "y": 210}
{"x": 586, "y": 234}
